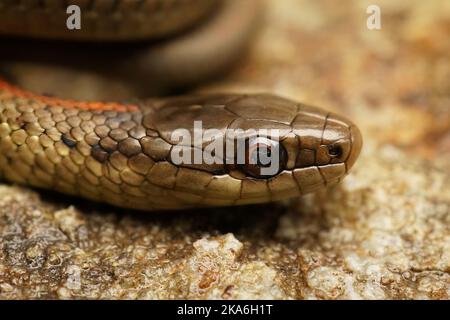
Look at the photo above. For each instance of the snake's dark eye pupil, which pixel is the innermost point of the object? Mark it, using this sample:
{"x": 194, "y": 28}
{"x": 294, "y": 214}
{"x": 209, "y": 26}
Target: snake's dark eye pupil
{"x": 334, "y": 150}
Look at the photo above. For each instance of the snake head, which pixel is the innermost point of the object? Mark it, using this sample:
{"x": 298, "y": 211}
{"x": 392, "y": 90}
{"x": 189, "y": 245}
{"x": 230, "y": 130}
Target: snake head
{"x": 307, "y": 147}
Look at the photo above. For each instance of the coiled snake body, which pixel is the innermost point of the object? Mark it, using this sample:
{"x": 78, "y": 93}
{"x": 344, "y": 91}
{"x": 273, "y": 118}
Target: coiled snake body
{"x": 120, "y": 153}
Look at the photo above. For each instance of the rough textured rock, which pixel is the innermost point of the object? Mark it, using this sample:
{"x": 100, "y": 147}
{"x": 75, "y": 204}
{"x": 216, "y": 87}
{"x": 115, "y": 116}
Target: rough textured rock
{"x": 383, "y": 233}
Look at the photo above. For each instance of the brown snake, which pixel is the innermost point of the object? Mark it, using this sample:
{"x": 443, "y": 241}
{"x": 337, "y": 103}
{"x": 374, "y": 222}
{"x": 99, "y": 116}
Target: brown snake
{"x": 121, "y": 153}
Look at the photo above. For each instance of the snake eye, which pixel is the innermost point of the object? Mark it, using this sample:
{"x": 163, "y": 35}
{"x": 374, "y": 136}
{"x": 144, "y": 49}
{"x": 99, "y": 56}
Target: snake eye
{"x": 264, "y": 158}
{"x": 334, "y": 150}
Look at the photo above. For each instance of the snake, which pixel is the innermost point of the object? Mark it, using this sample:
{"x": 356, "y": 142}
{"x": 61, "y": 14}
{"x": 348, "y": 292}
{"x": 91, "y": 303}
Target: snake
{"x": 122, "y": 153}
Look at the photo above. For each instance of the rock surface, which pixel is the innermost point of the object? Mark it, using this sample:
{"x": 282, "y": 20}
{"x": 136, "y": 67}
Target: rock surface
{"x": 384, "y": 233}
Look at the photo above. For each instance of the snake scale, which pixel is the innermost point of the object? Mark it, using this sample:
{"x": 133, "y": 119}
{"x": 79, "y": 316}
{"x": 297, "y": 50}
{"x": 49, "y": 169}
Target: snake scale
{"x": 121, "y": 152}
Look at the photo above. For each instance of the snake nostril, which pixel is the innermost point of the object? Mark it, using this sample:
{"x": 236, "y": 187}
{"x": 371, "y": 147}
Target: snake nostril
{"x": 335, "y": 150}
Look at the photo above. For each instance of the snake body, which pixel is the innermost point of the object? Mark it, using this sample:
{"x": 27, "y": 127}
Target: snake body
{"x": 121, "y": 153}
{"x": 114, "y": 20}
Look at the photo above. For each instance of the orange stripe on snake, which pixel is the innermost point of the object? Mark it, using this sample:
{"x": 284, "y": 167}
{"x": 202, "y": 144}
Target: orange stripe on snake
{"x": 8, "y": 91}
